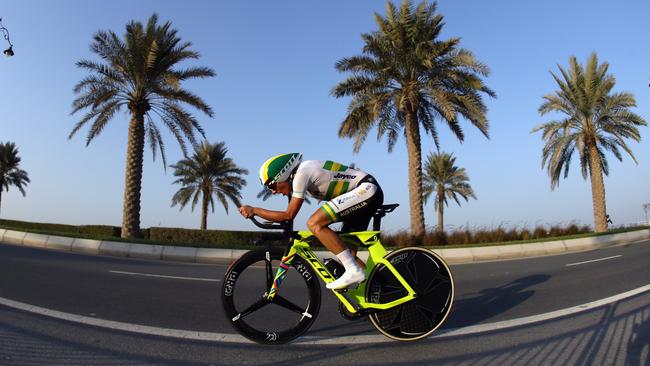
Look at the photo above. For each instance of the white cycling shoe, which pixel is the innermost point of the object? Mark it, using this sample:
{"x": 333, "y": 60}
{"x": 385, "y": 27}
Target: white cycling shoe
{"x": 348, "y": 278}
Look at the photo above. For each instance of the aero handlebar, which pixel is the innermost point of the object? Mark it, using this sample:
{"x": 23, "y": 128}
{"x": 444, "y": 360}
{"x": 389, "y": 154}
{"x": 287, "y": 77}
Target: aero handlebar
{"x": 285, "y": 225}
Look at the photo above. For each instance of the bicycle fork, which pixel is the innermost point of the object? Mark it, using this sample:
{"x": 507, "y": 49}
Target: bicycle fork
{"x": 280, "y": 274}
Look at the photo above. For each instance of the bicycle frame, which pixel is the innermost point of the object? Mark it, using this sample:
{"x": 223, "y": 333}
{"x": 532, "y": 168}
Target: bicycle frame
{"x": 353, "y": 299}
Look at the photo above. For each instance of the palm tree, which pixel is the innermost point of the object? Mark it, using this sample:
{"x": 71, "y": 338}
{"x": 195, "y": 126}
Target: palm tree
{"x": 446, "y": 180}
{"x": 206, "y": 174}
{"x": 10, "y": 173}
{"x": 139, "y": 73}
{"x": 594, "y": 120}
{"x": 406, "y": 79}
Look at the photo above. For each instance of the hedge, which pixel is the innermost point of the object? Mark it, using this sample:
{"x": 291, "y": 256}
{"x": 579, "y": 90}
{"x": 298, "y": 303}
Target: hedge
{"x": 84, "y": 230}
{"x": 211, "y": 238}
{"x": 173, "y": 236}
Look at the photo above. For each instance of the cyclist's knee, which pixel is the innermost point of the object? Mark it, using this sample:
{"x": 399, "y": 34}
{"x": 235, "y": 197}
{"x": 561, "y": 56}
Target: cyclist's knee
{"x": 315, "y": 225}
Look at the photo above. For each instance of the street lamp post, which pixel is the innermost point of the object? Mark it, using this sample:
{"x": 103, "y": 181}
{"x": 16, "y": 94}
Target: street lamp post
{"x": 5, "y": 32}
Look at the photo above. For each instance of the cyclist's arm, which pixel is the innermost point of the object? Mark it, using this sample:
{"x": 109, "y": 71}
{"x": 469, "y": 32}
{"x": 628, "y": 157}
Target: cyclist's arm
{"x": 279, "y": 216}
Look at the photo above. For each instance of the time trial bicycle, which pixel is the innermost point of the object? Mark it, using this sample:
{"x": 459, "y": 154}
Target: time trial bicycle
{"x": 272, "y": 295}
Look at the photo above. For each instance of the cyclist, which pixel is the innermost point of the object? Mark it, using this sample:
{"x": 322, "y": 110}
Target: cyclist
{"x": 351, "y": 196}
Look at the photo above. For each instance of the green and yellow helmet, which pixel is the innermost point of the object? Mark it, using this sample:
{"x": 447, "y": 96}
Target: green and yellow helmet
{"x": 278, "y": 168}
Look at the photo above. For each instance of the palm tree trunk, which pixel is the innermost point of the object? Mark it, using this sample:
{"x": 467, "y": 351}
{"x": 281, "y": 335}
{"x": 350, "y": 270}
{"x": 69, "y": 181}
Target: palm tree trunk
{"x": 415, "y": 174}
{"x": 133, "y": 177}
{"x": 0, "y": 196}
{"x": 597, "y": 190}
{"x": 441, "y": 201}
{"x": 204, "y": 210}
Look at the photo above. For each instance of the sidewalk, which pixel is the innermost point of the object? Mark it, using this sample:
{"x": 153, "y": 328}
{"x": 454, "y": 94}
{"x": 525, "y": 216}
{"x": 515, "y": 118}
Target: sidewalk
{"x": 226, "y": 256}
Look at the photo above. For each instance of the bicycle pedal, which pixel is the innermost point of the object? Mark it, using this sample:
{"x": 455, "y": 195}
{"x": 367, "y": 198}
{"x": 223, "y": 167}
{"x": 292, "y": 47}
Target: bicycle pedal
{"x": 349, "y": 299}
{"x": 347, "y": 315}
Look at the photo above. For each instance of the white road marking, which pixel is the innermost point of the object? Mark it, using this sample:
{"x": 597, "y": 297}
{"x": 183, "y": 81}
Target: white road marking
{"x": 162, "y": 276}
{"x": 594, "y": 260}
{"x": 319, "y": 340}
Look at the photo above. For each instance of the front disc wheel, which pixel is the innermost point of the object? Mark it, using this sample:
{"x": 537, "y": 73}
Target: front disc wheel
{"x": 244, "y": 297}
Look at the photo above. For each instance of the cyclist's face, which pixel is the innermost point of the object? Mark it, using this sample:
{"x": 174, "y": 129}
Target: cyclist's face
{"x": 283, "y": 188}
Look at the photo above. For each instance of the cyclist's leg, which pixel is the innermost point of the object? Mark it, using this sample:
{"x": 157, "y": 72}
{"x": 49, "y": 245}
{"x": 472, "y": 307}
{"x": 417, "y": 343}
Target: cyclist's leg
{"x": 359, "y": 224}
{"x": 318, "y": 224}
{"x": 359, "y": 220}
{"x": 354, "y": 208}
{"x": 361, "y": 263}
{"x": 357, "y": 217}
{"x": 350, "y": 207}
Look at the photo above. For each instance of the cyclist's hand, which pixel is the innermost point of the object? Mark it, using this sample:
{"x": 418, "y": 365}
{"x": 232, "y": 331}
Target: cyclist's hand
{"x": 246, "y": 211}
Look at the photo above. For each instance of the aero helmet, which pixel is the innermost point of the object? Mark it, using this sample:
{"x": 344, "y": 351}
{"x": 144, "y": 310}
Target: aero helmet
{"x": 278, "y": 168}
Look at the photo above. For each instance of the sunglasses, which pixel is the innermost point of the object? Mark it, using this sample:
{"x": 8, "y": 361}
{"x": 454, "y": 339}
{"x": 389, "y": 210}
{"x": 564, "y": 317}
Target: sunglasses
{"x": 273, "y": 186}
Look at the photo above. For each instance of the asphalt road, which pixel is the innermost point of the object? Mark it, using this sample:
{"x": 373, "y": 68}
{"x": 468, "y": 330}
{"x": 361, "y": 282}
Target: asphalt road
{"x": 186, "y": 297}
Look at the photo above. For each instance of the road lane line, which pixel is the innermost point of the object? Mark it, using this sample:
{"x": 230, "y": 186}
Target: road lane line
{"x": 162, "y": 276}
{"x": 316, "y": 340}
{"x": 594, "y": 260}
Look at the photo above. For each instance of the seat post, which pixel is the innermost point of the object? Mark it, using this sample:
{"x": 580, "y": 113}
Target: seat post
{"x": 381, "y": 212}
{"x": 376, "y": 221}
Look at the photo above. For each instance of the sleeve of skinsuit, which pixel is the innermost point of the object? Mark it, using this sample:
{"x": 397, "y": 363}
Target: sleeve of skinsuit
{"x": 300, "y": 181}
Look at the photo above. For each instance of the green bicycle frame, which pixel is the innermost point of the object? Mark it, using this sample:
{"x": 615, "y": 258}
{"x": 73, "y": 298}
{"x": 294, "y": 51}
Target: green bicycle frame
{"x": 353, "y": 299}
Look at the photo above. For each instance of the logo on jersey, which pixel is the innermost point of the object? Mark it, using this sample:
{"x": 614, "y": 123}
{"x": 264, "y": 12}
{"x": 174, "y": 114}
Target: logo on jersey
{"x": 353, "y": 209}
{"x": 344, "y": 176}
{"x": 342, "y": 199}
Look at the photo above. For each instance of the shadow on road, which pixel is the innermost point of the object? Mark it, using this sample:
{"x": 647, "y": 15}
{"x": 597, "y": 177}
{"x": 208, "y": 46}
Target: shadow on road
{"x": 491, "y": 302}
{"x": 639, "y": 344}
{"x": 614, "y": 334}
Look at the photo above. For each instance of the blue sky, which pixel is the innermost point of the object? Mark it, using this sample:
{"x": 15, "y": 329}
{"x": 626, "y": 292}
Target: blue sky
{"x": 275, "y": 69}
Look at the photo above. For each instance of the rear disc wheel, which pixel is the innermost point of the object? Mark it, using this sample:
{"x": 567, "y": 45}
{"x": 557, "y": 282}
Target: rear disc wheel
{"x": 433, "y": 283}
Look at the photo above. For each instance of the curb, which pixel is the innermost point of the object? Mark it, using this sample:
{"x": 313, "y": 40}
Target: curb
{"x": 227, "y": 256}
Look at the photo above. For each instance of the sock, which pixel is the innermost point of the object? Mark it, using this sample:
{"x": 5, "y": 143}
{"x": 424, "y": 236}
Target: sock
{"x": 348, "y": 260}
